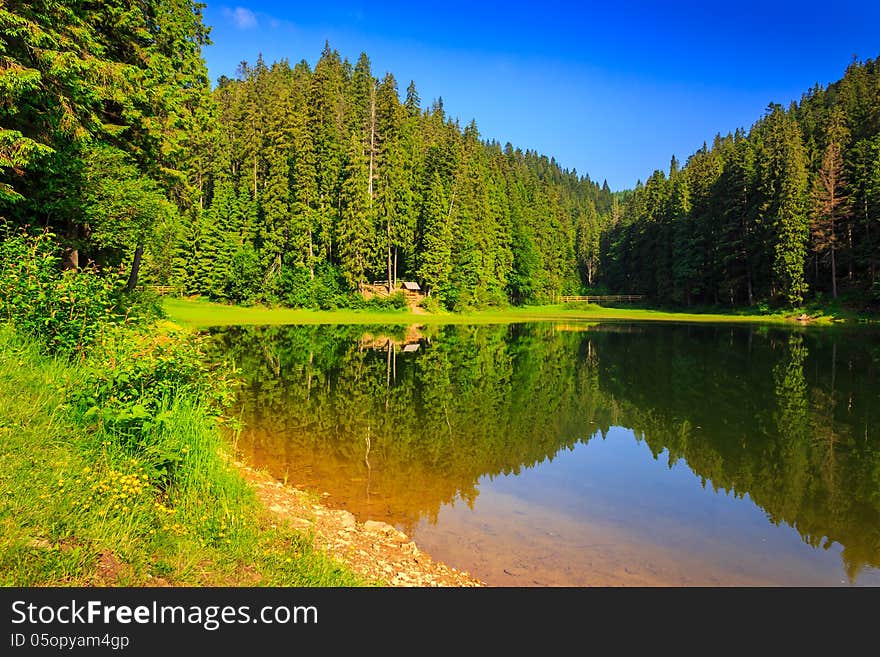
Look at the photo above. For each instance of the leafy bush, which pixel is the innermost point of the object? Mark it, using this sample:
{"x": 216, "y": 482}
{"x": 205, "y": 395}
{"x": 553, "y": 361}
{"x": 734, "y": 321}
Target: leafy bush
{"x": 245, "y": 275}
{"x": 134, "y": 377}
{"x": 296, "y": 288}
{"x": 394, "y": 301}
{"x": 329, "y": 290}
{"x": 64, "y": 310}
{"x": 431, "y": 304}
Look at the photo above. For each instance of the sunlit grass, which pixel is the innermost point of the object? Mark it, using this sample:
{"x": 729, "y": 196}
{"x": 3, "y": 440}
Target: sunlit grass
{"x": 204, "y": 314}
{"x": 78, "y": 509}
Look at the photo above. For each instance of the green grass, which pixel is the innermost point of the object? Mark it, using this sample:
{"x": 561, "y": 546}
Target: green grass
{"x": 78, "y": 509}
{"x": 205, "y": 314}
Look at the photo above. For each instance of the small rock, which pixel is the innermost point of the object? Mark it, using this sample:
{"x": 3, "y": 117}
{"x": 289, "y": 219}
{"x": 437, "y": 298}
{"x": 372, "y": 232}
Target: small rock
{"x": 379, "y": 527}
{"x": 345, "y": 519}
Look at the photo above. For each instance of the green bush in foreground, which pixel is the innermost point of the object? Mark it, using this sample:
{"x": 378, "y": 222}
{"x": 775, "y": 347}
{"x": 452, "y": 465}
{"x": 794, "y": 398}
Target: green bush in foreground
{"x": 64, "y": 310}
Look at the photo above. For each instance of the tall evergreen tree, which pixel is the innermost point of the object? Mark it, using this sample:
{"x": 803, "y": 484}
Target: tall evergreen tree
{"x": 784, "y": 192}
{"x": 355, "y": 235}
{"x": 829, "y": 196}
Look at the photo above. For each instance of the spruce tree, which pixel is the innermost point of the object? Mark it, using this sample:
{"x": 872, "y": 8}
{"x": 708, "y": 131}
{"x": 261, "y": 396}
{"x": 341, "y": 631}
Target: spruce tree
{"x": 784, "y": 176}
{"x": 355, "y": 235}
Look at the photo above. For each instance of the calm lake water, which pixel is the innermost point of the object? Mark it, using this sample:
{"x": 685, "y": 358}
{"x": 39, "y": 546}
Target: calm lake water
{"x": 584, "y": 454}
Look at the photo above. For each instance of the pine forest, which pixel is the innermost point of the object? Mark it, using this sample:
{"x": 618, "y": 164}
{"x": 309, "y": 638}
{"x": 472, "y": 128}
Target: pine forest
{"x": 299, "y": 184}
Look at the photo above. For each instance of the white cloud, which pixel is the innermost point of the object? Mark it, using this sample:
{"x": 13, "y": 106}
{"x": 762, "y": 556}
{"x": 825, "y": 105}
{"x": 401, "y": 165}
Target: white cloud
{"x": 242, "y": 18}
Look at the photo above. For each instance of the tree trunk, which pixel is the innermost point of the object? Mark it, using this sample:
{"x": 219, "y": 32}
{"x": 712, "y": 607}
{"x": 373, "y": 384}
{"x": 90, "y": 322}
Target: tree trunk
{"x": 71, "y": 259}
{"x": 388, "y": 252}
{"x": 372, "y": 142}
{"x": 395, "y": 266}
{"x": 833, "y": 273}
{"x": 311, "y": 257}
{"x": 135, "y": 268}
{"x": 849, "y": 237}
{"x": 71, "y": 255}
{"x": 749, "y": 285}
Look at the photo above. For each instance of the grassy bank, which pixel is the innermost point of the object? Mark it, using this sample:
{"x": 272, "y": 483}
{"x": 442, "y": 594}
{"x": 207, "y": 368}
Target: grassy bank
{"x": 83, "y": 501}
{"x": 204, "y": 314}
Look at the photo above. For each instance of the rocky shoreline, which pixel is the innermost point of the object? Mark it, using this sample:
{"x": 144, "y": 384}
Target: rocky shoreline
{"x": 374, "y": 550}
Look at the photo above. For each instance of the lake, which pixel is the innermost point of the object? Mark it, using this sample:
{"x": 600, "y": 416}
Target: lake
{"x": 576, "y": 454}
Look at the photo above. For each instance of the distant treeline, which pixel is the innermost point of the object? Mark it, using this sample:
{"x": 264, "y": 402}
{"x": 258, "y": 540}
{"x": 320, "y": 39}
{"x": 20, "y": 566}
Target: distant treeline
{"x": 298, "y": 184}
{"x": 790, "y": 208}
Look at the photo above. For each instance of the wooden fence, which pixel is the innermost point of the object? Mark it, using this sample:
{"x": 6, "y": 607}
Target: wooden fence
{"x": 603, "y": 298}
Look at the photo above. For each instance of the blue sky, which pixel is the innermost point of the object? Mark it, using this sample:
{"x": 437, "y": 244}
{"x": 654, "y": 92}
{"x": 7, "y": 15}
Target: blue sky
{"x": 610, "y": 89}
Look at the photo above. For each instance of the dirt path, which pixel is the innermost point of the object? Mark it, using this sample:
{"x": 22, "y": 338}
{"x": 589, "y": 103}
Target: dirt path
{"x": 375, "y": 550}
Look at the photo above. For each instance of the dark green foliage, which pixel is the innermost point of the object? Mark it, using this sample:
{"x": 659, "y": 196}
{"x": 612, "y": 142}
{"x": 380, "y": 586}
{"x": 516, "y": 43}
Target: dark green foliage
{"x": 244, "y": 283}
{"x": 65, "y": 311}
{"x": 334, "y": 171}
{"x": 736, "y": 230}
{"x": 98, "y": 124}
{"x": 286, "y": 180}
{"x": 325, "y": 290}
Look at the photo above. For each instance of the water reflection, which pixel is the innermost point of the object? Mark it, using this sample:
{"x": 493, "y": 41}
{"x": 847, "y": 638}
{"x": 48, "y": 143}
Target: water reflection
{"x": 399, "y": 424}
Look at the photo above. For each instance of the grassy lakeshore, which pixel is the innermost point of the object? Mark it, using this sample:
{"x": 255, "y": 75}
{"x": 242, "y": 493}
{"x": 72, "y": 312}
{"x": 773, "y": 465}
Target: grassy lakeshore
{"x": 80, "y": 507}
{"x": 200, "y": 313}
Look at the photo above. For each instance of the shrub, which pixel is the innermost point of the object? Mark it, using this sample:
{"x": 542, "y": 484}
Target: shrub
{"x": 394, "y": 301}
{"x": 134, "y": 377}
{"x": 295, "y": 287}
{"x": 329, "y": 290}
{"x": 245, "y": 275}
{"x": 64, "y": 310}
{"x": 431, "y": 304}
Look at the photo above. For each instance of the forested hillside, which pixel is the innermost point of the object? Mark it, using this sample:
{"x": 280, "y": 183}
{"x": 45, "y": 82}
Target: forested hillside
{"x": 298, "y": 184}
{"x": 787, "y": 210}
{"x": 317, "y": 181}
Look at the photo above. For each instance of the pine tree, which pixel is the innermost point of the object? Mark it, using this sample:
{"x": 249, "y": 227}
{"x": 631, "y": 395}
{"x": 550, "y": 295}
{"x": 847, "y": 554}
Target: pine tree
{"x": 355, "y": 235}
{"x": 829, "y": 196}
{"x": 588, "y": 243}
{"x": 436, "y": 253}
{"x": 304, "y": 182}
{"x": 413, "y": 103}
{"x": 784, "y": 191}
{"x": 327, "y": 127}
{"x": 276, "y": 153}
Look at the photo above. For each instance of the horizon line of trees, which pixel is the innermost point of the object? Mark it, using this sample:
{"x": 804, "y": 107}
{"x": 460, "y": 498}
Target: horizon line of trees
{"x": 766, "y": 216}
